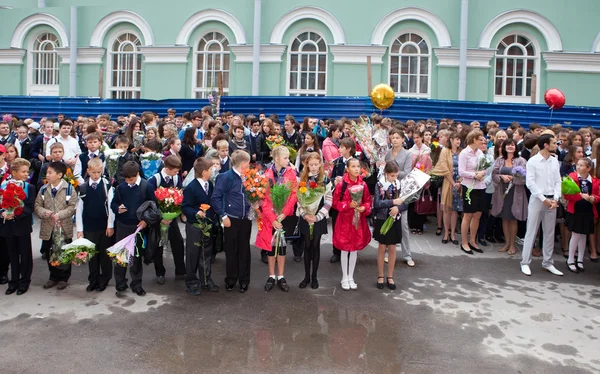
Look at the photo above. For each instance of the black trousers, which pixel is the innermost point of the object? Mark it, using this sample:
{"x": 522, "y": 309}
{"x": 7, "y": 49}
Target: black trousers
{"x": 136, "y": 269}
{"x": 4, "y": 259}
{"x": 237, "y": 252}
{"x": 415, "y": 221}
{"x": 333, "y": 214}
{"x": 312, "y": 255}
{"x": 57, "y": 274}
{"x": 198, "y": 266}
{"x": 21, "y": 260}
{"x": 176, "y": 241}
{"x": 100, "y": 265}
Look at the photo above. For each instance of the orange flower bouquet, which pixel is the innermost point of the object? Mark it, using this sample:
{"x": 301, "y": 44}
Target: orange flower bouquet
{"x": 256, "y": 186}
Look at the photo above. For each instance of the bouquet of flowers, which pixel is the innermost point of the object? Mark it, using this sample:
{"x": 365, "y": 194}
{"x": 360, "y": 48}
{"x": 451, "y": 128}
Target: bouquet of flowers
{"x": 274, "y": 141}
{"x": 150, "y": 162}
{"x": 138, "y": 139}
{"x": 256, "y": 186}
{"x": 214, "y": 100}
{"x": 569, "y": 187}
{"x": 482, "y": 165}
{"x": 293, "y": 152}
{"x": 279, "y": 196}
{"x": 309, "y": 198}
{"x": 387, "y": 225}
{"x": 112, "y": 161}
{"x": 169, "y": 202}
{"x": 356, "y": 194}
{"x": 362, "y": 133}
{"x": 78, "y": 252}
{"x": 70, "y": 178}
{"x": 517, "y": 172}
{"x": 122, "y": 252}
{"x": 58, "y": 242}
{"x": 206, "y": 227}
{"x": 12, "y": 196}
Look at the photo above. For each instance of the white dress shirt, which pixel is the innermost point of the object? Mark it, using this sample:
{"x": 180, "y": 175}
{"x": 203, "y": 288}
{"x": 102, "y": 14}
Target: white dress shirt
{"x": 79, "y": 211}
{"x": 543, "y": 177}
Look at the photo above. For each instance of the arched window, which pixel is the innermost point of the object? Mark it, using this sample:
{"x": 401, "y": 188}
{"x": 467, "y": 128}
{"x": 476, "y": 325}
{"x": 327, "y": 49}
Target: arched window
{"x": 45, "y": 60}
{"x": 410, "y": 65}
{"x": 307, "y": 62}
{"x": 126, "y": 67}
{"x": 212, "y": 61}
{"x": 516, "y": 62}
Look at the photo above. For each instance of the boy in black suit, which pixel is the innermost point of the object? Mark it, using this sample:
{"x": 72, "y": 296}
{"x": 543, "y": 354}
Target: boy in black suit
{"x": 122, "y": 143}
{"x": 168, "y": 177}
{"x": 23, "y": 143}
{"x": 223, "y": 152}
{"x": 95, "y": 222}
{"x": 198, "y": 259}
{"x": 93, "y": 143}
{"x": 16, "y": 231}
{"x": 129, "y": 195}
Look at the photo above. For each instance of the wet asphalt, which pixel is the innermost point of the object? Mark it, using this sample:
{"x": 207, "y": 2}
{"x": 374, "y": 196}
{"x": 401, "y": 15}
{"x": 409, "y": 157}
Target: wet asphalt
{"x": 451, "y": 313}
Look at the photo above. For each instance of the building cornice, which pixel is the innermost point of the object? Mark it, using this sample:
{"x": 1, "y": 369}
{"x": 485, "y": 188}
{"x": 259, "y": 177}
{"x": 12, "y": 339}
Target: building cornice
{"x": 476, "y": 58}
{"x": 169, "y": 54}
{"x": 12, "y": 56}
{"x": 572, "y": 62}
{"x": 357, "y": 54}
{"x": 268, "y": 52}
{"x": 85, "y": 56}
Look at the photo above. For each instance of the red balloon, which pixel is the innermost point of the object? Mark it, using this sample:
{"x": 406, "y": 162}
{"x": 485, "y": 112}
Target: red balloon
{"x": 555, "y": 98}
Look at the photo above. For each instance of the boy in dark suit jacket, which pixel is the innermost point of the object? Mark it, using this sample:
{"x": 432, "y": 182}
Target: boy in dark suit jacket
{"x": 195, "y": 195}
{"x": 223, "y": 152}
{"x": 95, "y": 222}
{"x": 23, "y": 143}
{"x": 122, "y": 143}
{"x": 16, "y": 231}
{"x": 93, "y": 144}
{"x": 129, "y": 196}
{"x": 168, "y": 177}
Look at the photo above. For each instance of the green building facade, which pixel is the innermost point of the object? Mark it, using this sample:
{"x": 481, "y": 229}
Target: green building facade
{"x": 157, "y": 49}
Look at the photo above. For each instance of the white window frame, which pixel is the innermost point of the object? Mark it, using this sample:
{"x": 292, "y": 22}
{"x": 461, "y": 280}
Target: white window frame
{"x": 33, "y": 55}
{"x": 207, "y": 90}
{"x": 110, "y": 89}
{"x": 307, "y": 92}
{"x": 536, "y": 58}
{"x": 419, "y": 56}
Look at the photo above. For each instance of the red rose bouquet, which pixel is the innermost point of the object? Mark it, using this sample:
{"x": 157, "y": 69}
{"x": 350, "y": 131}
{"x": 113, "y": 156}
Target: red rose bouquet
{"x": 11, "y": 199}
{"x": 169, "y": 202}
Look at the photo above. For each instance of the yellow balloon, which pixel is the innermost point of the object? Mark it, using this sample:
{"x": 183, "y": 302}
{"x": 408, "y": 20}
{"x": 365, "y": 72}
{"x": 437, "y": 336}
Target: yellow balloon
{"x": 382, "y": 96}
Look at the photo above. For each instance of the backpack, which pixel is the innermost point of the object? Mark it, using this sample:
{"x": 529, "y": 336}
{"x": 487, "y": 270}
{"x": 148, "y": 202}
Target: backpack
{"x": 105, "y": 183}
{"x": 68, "y": 193}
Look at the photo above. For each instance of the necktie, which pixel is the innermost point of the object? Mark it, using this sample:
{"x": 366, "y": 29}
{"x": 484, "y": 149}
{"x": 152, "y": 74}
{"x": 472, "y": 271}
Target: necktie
{"x": 223, "y": 162}
{"x": 206, "y": 187}
{"x": 54, "y": 191}
{"x": 92, "y": 156}
{"x": 94, "y": 185}
{"x": 168, "y": 180}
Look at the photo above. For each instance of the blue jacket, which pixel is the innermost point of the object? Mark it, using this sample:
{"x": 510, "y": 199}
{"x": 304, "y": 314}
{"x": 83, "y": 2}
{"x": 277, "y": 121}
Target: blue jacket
{"x": 194, "y": 196}
{"x": 229, "y": 197}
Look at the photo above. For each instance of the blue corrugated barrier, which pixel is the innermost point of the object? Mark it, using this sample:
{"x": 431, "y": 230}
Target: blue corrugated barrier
{"x": 320, "y": 107}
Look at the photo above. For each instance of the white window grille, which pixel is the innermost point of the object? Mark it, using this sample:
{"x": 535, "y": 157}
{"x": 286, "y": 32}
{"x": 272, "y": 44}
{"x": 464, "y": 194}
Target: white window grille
{"x": 410, "y": 66}
{"x": 211, "y": 60}
{"x": 307, "y": 64}
{"x": 45, "y": 60}
{"x": 126, "y": 67}
{"x": 516, "y": 62}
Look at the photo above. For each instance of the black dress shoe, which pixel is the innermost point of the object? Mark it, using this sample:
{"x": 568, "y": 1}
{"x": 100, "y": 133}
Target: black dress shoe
{"x": 334, "y": 259}
{"x": 139, "y": 291}
{"x": 304, "y": 283}
{"x": 391, "y": 286}
{"x": 455, "y": 242}
{"x": 21, "y": 291}
{"x": 475, "y": 249}
{"x": 122, "y": 288}
{"x": 243, "y": 288}
{"x": 3, "y": 279}
{"x": 228, "y": 287}
{"x": 444, "y": 241}
{"x": 380, "y": 285}
{"x": 270, "y": 284}
{"x": 314, "y": 284}
{"x": 469, "y": 252}
{"x": 594, "y": 260}
{"x": 100, "y": 287}
{"x": 91, "y": 287}
{"x": 297, "y": 258}
{"x": 10, "y": 290}
{"x": 193, "y": 291}
{"x": 211, "y": 287}
{"x": 482, "y": 242}
{"x": 160, "y": 280}
{"x": 282, "y": 283}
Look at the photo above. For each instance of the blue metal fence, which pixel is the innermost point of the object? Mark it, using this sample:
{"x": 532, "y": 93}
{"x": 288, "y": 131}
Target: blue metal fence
{"x": 320, "y": 107}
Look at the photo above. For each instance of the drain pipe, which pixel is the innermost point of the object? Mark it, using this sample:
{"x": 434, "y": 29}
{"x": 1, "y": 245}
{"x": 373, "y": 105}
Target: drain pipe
{"x": 73, "y": 54}
{"x": 462, "y": 63}
{"x": 41, "y": 3}
{"x": 256, "y": 48}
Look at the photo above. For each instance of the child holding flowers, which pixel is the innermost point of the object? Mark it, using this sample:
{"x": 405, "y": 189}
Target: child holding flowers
{"x": 16, "y": 228}
{"x": 352, "y": 200}
{"x": 386, "y": 213}
{"x": 314, "y": 202}
{"x": 278, "y": 214}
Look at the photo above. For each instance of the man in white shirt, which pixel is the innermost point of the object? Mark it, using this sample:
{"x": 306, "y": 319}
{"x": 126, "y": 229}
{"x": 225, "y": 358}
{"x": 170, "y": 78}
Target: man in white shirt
{"x": 72, "y": 149}
{"x": 543, "y": 180}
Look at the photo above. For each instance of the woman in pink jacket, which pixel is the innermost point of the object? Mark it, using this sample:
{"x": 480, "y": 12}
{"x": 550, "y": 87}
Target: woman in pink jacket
{"x": 330, "y": 148}
{"x": 279, "y": 173}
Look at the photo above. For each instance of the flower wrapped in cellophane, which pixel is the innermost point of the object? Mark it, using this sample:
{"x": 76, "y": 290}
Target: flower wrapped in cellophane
{"x": 280, "y": 192}
{"x": 169, "y": 202}
{"x": 518, "y": 172}
{"x": 356, "y": 194}
{"x": 112, "y": 161}
{"x": 78, "y": 252}
{"x": 256, "y": 186}
{"x": 123, "y": 251}
{"x": 151, "y": 163}
{"x": 309, "y": 199}
{"x": 363, "y": 134}
{"x": 12, "y": 197}
{"x": 568, "y": 186}
{"x": 482, "y": 165}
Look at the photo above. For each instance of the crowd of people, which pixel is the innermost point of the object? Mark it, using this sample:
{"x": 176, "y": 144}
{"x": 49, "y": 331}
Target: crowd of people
{"x": 488, "y": 184}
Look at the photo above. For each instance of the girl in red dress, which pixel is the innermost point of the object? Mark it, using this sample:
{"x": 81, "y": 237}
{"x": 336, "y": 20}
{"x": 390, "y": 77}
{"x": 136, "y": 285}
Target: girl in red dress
{"x": 346, "y": 236}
